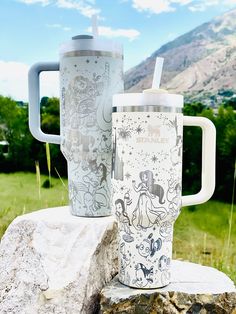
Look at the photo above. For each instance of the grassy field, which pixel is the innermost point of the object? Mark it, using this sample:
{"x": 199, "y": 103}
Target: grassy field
{"x": 201, "y": 232}
{"x": 19, "y": 193}
{"x": 202, "y": 236}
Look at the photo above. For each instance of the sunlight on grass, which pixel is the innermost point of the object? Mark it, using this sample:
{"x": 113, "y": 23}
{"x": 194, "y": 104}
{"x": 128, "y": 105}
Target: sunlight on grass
{"x": 20, "y": 195}
{"x": 200, "y": 232}
{"x": 200, "y": 236}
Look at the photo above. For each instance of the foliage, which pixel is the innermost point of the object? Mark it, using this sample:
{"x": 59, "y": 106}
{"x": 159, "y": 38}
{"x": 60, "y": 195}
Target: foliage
{"x": 230, "y": 102}
{"x": 225, "y": 123}
{"x": 226, "y": 92}
{"x": 24, "y": 150}
{"x": 50, "y": 115}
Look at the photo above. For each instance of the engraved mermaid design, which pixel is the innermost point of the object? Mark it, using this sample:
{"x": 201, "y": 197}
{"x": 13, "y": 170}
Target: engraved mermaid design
{"x": 174, "y": 196}
{"x": 146, "y": 214}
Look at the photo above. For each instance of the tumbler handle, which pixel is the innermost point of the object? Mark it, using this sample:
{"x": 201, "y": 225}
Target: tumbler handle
{"x": 34, "y": 103}
{"x": 208, "y": 160}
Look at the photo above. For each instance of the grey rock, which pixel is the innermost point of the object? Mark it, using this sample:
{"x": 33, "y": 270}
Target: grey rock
{"x": 53, "y": 262}
{"x": 194, "y": 289}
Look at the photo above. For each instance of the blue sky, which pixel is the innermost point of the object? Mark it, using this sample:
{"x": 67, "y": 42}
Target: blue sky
{"x": 32, "y": 31}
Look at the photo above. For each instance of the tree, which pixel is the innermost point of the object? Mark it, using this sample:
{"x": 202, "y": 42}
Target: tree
{"x": 24, "y": 150}
{"x": 51, "y": 116}
{"x": 225, "y": 123}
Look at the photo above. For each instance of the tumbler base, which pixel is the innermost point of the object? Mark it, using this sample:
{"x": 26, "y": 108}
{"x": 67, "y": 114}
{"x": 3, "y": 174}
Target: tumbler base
{"x": 157, "y": 286}
{"x": 82, "y": 213}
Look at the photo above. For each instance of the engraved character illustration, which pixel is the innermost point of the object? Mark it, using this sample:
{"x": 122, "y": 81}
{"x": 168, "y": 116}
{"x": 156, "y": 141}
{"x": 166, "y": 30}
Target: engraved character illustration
{"x": 164, "y": 267}
{"x": 149, "y": 246}
{"x": 105, "y": 144}
{"x": 123, "y": 218}
{"x": 146, "y": 214}
{"x": 166, "y": 230}
{"x": 174, "y": 196}
{"x": 125, "y": 260}
{"x": 73, "y": 195}
{"x": 143, "y": 275}
{"x": 164, "y": 263}
{"x": 175, "y": 152}
{"x": 95, "y": 196}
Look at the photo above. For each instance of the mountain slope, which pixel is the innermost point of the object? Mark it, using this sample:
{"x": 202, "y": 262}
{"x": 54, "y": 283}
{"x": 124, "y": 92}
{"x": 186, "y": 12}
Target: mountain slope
{"x": 201, "y": 60}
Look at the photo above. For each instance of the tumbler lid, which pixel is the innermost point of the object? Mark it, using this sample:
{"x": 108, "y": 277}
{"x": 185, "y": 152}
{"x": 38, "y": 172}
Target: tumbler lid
{"x": 148, "y": 99}
{"x": 87, "y": 42}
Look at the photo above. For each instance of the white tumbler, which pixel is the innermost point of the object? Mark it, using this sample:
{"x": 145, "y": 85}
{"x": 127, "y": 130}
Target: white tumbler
{"x": 147, "y": 181}
{"x": 91, "y": 71}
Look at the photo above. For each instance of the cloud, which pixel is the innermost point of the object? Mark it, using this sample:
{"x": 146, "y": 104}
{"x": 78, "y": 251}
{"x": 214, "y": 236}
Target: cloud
{"x": 230, "y": 2}
{"x": 161, "y": 6}
{"x": 182, "y": 2}
{"x": 157, "y": 7}
{"x": 153, "y": 6}
{"x": 171, "y": 36}
{"x": 85, "y": 7}
{"x": 14, "y": 81}
{"x": 42, "y": 2}
{"x": 203, "y": 5}
{"x": 64, "y": 28}
{"x": 106, "y": 31}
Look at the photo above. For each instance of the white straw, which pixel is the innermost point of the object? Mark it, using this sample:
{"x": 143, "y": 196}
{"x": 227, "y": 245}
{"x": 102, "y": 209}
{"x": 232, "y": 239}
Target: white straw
{"x": 157, "y": 73}
{"x": 94, "y": 26}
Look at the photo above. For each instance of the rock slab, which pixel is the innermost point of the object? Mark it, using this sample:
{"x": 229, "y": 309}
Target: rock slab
{"x": 194, "y": 289}
{"x": 53, "y": 262}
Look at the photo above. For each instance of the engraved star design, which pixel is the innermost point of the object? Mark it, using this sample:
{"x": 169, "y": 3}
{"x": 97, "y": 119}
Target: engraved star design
{"x": 154, "y": 158}
{"x": 138, "y": 129}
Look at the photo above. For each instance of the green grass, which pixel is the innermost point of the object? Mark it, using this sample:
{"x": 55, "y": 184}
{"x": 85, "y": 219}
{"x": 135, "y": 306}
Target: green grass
{"x": 20, "y": 194}
{"x": 201, "y": 232}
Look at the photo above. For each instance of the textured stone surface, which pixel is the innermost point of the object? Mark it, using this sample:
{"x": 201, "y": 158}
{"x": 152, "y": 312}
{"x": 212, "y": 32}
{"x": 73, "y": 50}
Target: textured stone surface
{"x": 53, "y": 262}
{"x": 194, "y": 289}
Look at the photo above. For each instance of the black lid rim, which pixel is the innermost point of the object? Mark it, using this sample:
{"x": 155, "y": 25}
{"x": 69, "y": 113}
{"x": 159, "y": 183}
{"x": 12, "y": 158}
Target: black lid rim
{"x": 82, "y": 37}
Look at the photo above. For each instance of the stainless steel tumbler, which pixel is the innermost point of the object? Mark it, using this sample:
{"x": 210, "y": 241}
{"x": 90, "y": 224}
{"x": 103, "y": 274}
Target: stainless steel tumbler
{"x": 147, "y": 181}
{"x": 91, "y": 71}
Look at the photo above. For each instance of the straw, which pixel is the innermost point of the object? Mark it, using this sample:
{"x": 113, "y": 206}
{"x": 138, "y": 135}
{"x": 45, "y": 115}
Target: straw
{"x": 157, "y": 73}
{"x": 94, "y": 26}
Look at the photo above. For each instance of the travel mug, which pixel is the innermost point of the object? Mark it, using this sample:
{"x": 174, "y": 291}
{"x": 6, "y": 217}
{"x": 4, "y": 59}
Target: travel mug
{"x": 91, "y": 71}
{"x": 147, "y": 140}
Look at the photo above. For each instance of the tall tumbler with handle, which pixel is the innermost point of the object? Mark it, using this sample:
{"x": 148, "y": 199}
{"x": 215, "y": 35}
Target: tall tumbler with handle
{"x": 147, "y": 181}
{"x": 91, "y": 71}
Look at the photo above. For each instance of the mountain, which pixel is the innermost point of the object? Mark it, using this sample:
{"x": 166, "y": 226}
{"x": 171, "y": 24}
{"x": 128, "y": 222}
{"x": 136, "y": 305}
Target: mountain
{"x": 202, "y": 61}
